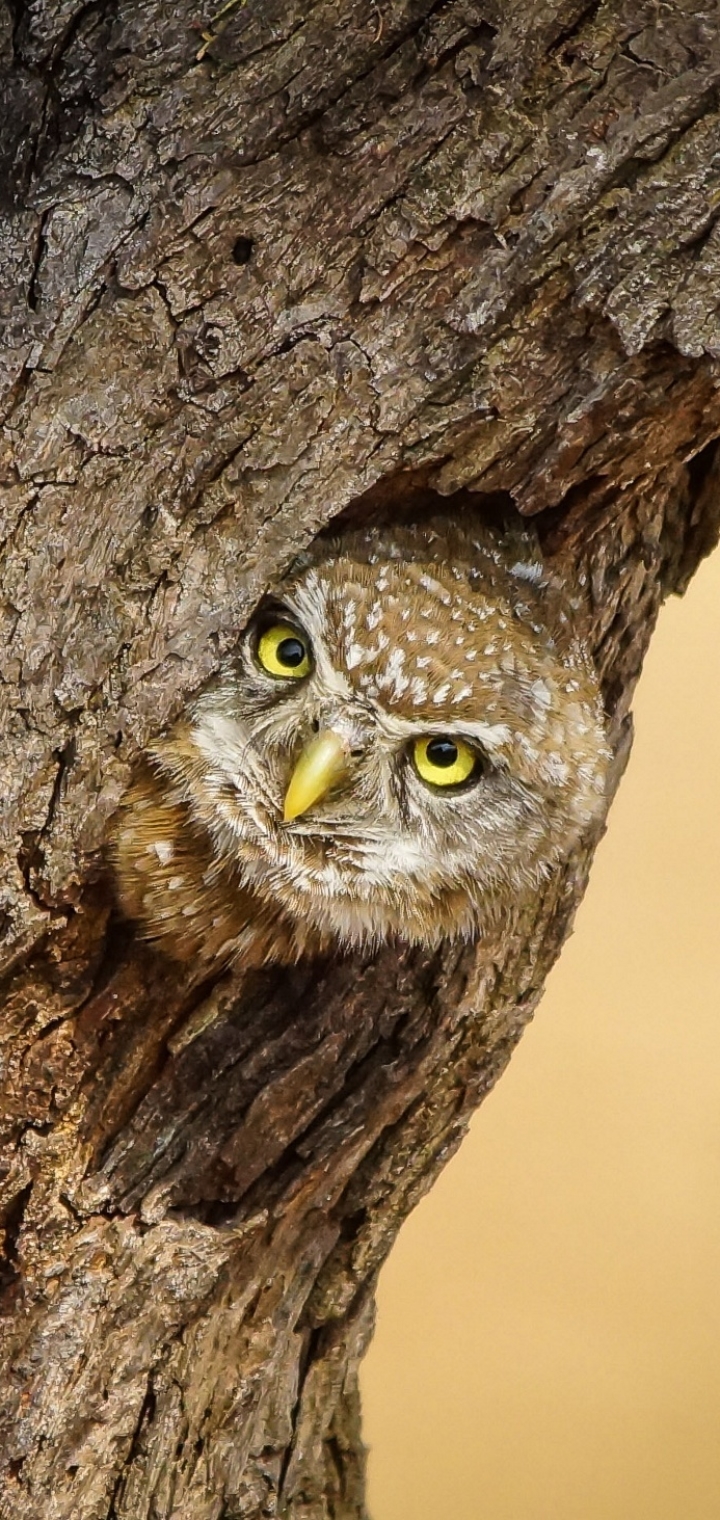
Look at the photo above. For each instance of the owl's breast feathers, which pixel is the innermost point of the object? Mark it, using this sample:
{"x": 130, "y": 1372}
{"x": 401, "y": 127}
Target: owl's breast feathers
{"x": 184, "y": 895}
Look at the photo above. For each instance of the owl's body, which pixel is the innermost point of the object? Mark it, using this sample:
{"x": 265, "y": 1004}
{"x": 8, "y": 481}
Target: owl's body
{"x": 409, "y": 736}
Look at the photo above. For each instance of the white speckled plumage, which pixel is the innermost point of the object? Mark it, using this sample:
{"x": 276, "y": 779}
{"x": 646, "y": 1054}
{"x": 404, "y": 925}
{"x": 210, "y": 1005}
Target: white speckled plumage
{"x": 438, "y": 629}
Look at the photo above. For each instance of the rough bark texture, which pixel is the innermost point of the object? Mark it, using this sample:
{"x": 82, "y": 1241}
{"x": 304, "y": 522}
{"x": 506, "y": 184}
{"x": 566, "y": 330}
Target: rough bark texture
{"x": 358, "y": 252}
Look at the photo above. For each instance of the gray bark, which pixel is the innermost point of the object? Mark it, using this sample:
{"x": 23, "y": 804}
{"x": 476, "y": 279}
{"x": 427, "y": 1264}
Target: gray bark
{"x": 354, "y": 257}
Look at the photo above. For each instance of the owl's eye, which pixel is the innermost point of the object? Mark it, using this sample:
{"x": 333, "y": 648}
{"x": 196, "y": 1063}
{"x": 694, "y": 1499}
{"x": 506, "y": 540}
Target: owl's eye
{"x": 282, "y": 651}
{"x": 443, "y": 761}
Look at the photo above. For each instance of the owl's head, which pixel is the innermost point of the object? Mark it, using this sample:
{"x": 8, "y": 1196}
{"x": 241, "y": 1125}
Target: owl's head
{"x": 409, "y": 735}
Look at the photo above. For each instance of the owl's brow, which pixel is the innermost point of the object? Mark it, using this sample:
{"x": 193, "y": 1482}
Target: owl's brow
{"x": 272, "y": 607}
{"x": 493, "y": 736}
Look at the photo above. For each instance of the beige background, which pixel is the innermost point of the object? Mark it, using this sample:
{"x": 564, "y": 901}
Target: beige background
{"x": 548, "y": 1343}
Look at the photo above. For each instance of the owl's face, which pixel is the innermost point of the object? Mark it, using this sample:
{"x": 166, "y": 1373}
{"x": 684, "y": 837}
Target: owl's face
{"x": 402, "y": 741}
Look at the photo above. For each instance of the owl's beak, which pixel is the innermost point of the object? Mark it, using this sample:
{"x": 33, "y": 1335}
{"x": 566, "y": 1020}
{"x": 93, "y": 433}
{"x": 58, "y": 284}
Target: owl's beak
{"x": 323, "y": 762}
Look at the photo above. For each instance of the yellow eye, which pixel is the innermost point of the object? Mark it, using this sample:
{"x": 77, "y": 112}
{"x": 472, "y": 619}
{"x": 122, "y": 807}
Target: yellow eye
{"x": 282, "y": 651}
{"x": 443, "y": 761}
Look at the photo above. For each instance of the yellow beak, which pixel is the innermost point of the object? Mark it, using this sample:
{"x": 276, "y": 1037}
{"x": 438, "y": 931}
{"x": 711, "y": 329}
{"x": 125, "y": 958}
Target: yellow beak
{"x": 323, "y": 762}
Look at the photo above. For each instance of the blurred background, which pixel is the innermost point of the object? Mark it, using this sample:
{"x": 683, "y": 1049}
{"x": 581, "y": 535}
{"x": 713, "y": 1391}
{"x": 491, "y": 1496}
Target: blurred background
{"x": 548, "y": 1341}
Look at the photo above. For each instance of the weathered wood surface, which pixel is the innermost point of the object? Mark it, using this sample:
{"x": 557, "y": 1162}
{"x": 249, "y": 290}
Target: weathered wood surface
{"x": 389, "y": 248}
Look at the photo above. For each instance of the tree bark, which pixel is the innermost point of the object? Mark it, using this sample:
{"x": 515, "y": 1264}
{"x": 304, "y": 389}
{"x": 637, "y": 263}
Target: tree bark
{"x": 345, "y": 256}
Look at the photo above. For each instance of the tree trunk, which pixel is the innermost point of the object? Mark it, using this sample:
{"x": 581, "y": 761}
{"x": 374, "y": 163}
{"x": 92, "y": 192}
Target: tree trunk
{"x": 341, "y": 256}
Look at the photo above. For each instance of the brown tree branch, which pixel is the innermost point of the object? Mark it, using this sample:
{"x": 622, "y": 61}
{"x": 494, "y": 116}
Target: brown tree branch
{"x": 355, "y": 258}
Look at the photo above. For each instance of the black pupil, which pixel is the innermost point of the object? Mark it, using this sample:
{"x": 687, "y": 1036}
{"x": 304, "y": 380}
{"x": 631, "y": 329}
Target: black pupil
{"x": 442, "y": 752}
{"x": 291, "y": 651}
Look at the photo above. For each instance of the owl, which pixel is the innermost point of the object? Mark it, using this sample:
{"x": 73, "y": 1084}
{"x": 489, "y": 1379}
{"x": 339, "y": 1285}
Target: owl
{"x": 408, "y": 736}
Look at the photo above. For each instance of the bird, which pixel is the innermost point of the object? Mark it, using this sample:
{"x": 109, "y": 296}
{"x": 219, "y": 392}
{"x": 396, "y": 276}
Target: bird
{"x": 407, "y": 738}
